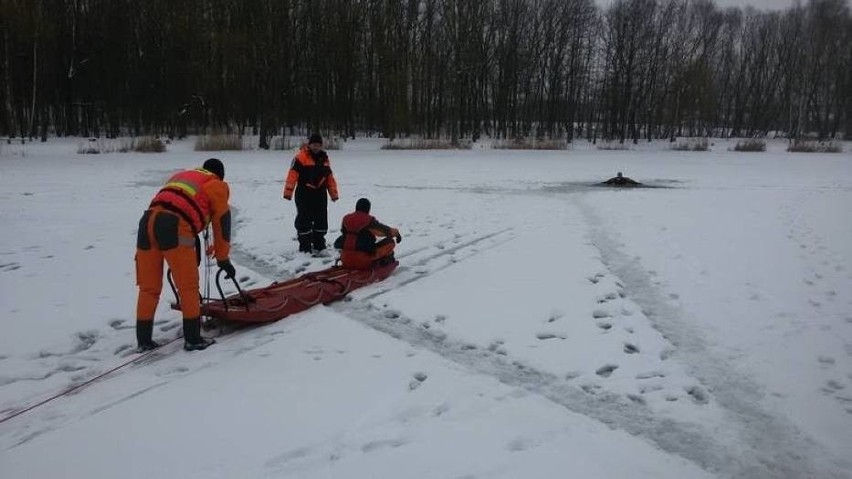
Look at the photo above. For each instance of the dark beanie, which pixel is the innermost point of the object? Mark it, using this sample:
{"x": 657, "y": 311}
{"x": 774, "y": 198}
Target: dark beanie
{"x": 363, "y": 205}
{"x": 315, "y": 138}
{"x": 216, "y": 167}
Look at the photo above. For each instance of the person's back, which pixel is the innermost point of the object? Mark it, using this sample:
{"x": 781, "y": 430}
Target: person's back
{"x": 359, "y": 232}
{"x": 620, "y": 180}
{"x": 168, "y": 232}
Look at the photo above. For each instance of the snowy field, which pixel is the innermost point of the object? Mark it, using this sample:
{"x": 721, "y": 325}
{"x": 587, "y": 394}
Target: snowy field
{"x": 537, "y": 327}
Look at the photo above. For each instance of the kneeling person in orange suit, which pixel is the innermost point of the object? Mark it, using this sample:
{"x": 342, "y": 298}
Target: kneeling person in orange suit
{"x": 168, "y": 230}
{"x": 358, "y": 241}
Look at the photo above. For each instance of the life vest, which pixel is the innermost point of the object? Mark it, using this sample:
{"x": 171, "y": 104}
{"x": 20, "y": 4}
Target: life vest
{"x": 356, "y": 233}
{"x": 313, "y": 170}
{"x": 312, "y": 173}
{"x": 183, "y": 195}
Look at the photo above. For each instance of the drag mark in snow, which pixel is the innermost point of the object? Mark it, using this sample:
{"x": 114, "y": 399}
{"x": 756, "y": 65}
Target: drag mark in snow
{"x": 687, "y": 440}
{"x": 126, "y": 398}
{"x": 6, "y": 267}
{"x": 772, "y": 447}
{"x": 422, "y": 267}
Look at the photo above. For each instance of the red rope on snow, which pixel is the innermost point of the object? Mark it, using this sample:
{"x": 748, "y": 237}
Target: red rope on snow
{"x": 81, "y": 385}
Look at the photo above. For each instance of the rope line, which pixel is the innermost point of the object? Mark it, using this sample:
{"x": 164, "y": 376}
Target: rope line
{"x": 70, "y": 390}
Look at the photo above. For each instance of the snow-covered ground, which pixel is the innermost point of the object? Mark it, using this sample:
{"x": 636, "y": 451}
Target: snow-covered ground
{"x": 537, "y": 327}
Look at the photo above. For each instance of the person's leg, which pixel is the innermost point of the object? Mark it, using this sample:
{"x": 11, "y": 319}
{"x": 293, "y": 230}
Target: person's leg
{"x": 320, "y": 220}
{"x": 149, "y": 279}
{"x": 304, "y": 222}
{"x": 384, "y": 250}
{"x": 185, "y": 275}
{"x": 181, "y": 261}
{"x": 181, "y": 258}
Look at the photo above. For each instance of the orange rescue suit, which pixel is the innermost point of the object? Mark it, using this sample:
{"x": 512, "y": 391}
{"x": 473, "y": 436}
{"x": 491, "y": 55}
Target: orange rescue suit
{"x": 310, "y": 174}
{"x": 359, "y": 249}
{"x": 189, "y": 201}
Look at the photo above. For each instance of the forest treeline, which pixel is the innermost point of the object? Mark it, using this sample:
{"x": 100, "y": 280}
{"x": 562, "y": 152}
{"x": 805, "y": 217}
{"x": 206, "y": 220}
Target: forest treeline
{"x": 636, "y": 69}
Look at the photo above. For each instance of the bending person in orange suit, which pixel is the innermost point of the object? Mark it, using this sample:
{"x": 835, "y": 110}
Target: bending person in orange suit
{"x": 168, "y": 231}
{"x": 359, "y": 242}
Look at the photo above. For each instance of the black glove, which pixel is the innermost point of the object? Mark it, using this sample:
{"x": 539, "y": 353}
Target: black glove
{"x": 225, "y": 264}
{"x": 396, "y": 235}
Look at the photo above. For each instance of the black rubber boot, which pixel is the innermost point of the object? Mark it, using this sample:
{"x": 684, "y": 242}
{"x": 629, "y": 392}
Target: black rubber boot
{"x": 304, "y": 243}
{"x": 144, "y": 331}
{"x": 192, "y": 340}
{"x": 318, "y": 241}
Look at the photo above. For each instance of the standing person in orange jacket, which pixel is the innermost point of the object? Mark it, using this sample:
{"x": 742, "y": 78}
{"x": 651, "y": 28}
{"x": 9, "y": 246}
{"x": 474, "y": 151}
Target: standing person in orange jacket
{"x": 168, "y": 230}
{"x": 359, "y": 235}
{"x": 311, "y": 177}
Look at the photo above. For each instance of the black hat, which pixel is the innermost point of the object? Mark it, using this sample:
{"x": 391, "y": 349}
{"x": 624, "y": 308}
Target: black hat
{"x": 216, "y": 167}
{"x": 363, "y": 205}
{"x": 315, "y": 138}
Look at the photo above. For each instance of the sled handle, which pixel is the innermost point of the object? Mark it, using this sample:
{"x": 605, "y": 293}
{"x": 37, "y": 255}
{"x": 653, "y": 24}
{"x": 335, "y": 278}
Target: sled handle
{"x": 246, "y": 299}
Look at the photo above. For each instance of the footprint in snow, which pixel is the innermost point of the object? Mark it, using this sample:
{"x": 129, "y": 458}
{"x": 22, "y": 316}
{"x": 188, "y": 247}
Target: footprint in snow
{"x": 441, "y": 409}
{"x": 518, "y": 445}
{"x": 420, "y": 376}
{"x": 698, "y": 395}
{"x": 124, "y": 350}
{"x": 606, "y": 370}
{"x": 826, "y": 360}
{"x": 591, "y": 388}
{"x": 168, "y": 327}
{"x": 607, "y": 298}
{"x": 546, "y": 336}
{"x": 649, "y": 388}
{"x": 119, "y": 324}
{"x": 832, "y": 386}
{"x": 599, "y": 313}
{"x": 381, "y": 444}
{"x": 85, "y": 341}
{"x": 314, "y": 352}
{"x": 630, "y": 348}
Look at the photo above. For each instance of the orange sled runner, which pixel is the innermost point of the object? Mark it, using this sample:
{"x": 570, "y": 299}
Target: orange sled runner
{"x": 279, "y": 300}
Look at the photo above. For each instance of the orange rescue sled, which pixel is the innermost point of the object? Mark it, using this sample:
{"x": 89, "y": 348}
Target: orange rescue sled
{"x": 279, "y": 300}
